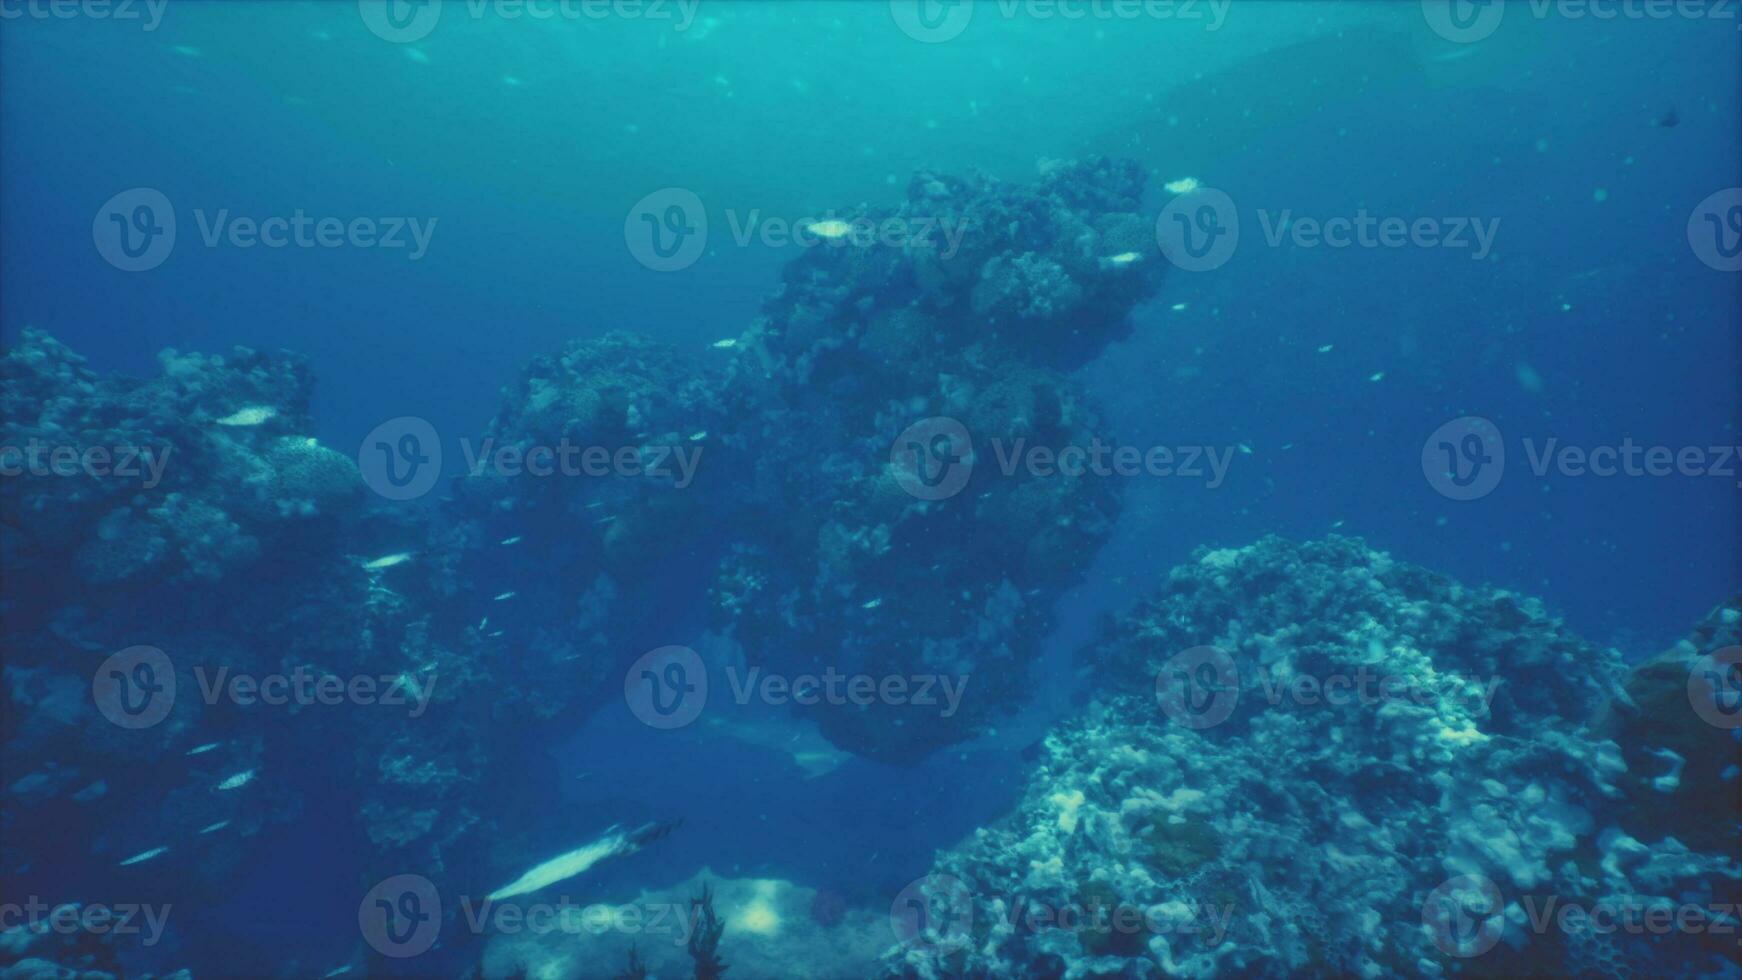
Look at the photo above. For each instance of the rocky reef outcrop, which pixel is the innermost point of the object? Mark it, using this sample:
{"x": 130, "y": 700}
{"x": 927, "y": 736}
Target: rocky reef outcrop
{"x": 209, "y": 619}
{"x": 888, "y": 394}
{"x": 1313, "y": 759}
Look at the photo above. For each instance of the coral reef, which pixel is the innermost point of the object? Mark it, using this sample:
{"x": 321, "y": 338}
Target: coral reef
{"x": 148, "y": 514}
{"x": 1682, "y": 765}
{"x": 1314, "y": 759}
{"x": 1450, "y": 747}
{"x": 839, "y": 558}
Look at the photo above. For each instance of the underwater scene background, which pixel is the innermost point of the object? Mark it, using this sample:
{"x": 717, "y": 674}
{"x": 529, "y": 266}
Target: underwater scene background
{"x": 898, "y": 489}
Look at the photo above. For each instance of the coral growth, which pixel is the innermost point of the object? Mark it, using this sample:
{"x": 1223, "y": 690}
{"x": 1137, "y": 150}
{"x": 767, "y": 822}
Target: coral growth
{"x": 1367, "y": 736}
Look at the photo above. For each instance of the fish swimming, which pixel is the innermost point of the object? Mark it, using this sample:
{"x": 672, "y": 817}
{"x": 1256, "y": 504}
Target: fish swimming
{"x": 615, "y": 843}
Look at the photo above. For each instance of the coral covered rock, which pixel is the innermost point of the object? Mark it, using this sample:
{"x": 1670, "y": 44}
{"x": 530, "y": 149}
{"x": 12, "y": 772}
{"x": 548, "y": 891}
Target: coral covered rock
{"x": 1314, "y": 759}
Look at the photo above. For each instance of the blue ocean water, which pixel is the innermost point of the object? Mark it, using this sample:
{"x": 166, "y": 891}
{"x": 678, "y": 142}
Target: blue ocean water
{"x": 1568, "y": 168}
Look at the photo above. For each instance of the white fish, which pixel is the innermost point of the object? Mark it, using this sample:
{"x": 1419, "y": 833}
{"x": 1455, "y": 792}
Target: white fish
{"x": 698, "y": 435}
{"x": 145, "y": 856}
{"x": 833, "y": 228}
{"x": 252, "y": 415}
{"x": 871, "y": 604}
{"x": 1124, "y": 258}
{"x": 239, "y": 780}
{"x": 1377, "y": 376}
{"x": 1324, "y": 348}
{"x": 1178, "y": 307}
{"x": 496, "y": 633}
{"x": 1184, "y": 185}
{"x": 202, "y": 749}
{"x": 214, "y": 827}
{"x": 565, "y": 866}
{"x": 727, "y": 344}
{"x": 514, "y": 540}
{"x": 484, "y": 622}
{"x": 504, "y": 597}
{"x": 388, "y": 561}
